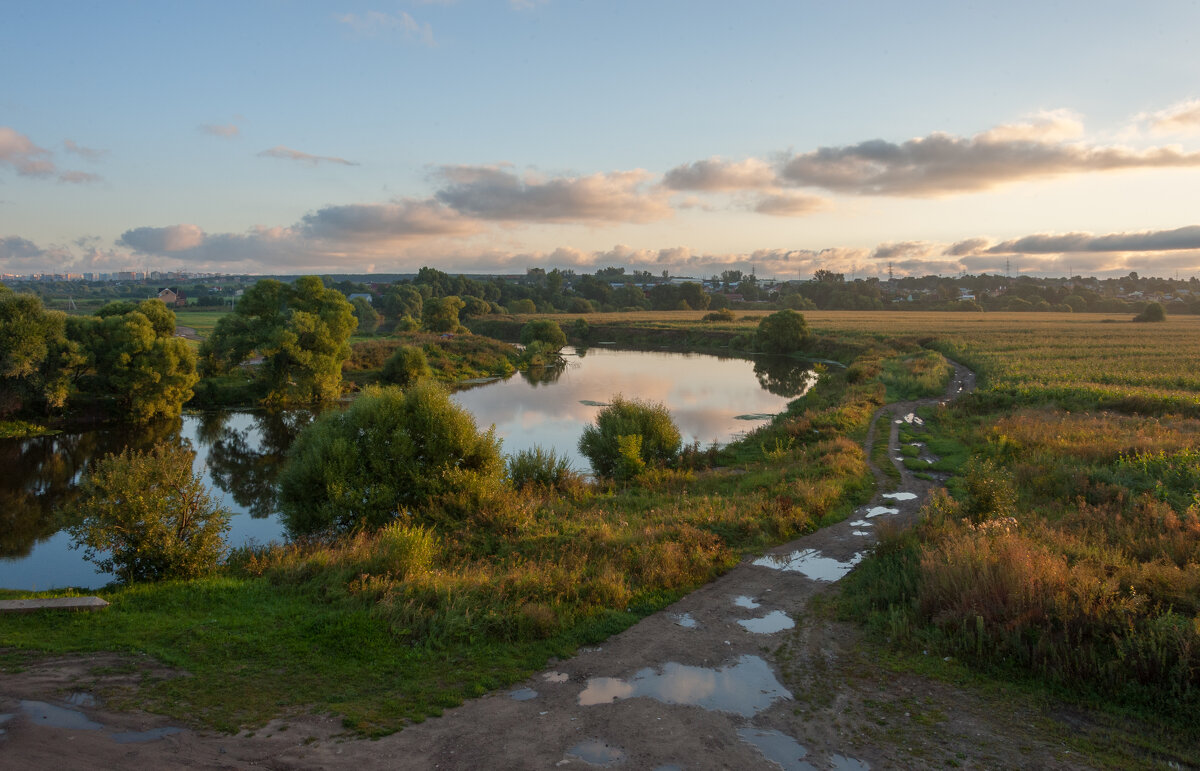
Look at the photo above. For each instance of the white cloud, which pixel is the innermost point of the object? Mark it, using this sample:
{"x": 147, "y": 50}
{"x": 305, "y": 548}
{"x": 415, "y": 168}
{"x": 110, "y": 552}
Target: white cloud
{"x": 288, "y": 154}
{"x": 375, "y": 23}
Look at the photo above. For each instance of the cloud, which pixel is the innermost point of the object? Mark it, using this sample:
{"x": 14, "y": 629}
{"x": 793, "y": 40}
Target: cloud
{"x": 1046, "y": 126}
{"x": 1181, "y": 118}
{"x": 386, "y": 222}
{"x": 227, "y": 130}
{"x": 526, "y": 5}
{"x": 26, "y": 158}
{"x": 790, "y": 205}
{"x": 496, "y": 193}
{"x": 375, "y": 23}
{"x": 966, "y": 246}
{"x": 288, "y": 154}
{"x": 175, "y": 238}
{"x": 15, "y": 248}
{"x": 903, "y": 250}
{"x": 941, "y": 164}
{"x": 1143, "y": 241}
{"x": 717, "y": 174}
{"x": 83, "y": 152}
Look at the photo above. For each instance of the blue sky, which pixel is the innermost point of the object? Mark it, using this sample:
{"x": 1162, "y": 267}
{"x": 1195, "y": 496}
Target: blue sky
{"x": 493, "y": 136}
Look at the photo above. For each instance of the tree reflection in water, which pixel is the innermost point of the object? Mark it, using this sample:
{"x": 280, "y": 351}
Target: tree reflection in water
{"x": 244, "y": 462}
{"x": 42, "y": 475}
{"x": 783, "y": 376}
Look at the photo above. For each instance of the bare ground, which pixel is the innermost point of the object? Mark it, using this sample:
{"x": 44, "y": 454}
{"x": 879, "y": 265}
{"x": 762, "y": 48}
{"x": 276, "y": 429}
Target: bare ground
{"x": 687, "y": 688}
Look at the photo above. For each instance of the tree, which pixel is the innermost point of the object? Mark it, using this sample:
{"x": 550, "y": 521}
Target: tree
{"x": 135, "y": 359}
{"x": 1153, "y": 312}
{"x": 368, "y": 317}
{"x": 401, "y": 300}
{"x": 441, "y": 314}
{"x": 406, "y": 365}
{"x": 543, "y": 331}
{"x": 628, "y": 435}
{"x": 35, "y": 355}
{"x": 694, "y": 295}
{"x": 147, "y": 516}
{"x": 782, "y": 332}
{"x": 302, "y": 332}
{"x": 390, "y": 452}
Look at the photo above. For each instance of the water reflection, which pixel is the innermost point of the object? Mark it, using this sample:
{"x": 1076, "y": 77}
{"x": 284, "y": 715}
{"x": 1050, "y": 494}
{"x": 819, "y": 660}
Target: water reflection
{"x": 245, "y": 452}
{"x": 783, "y": 376}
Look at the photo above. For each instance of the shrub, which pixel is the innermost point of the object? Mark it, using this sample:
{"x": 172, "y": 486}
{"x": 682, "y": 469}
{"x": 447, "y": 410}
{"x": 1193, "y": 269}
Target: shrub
{"x": 391, "y": 451}
{"x": 522, "y": 306}
{"x": 540, "y": 468}
{"x": 543, "y": 331}
{"x": 781, "y": 332}
{"x": 406, "y": 366}
{"x": 1153, "y": 312}
{"x": 151, "y": 514}
{"x": 630, "y": 434}
{"x": 724, "y": 314}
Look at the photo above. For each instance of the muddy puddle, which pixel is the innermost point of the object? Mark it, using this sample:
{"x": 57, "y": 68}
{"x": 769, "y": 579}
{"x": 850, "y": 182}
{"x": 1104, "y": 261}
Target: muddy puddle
{"x": 745, "y": 687}
{"x": 597, "y": 753}
{"x": 742, "y": 601}
{"x": 522, "y": 694}
{"x": 775, "y": 621}
{"x": 685, "y": 620}
{"x": 900, "y": 496}
{"x": 811, "y": 563}
{"x": 789, "y": 754}
{"x": 876, "y": 511}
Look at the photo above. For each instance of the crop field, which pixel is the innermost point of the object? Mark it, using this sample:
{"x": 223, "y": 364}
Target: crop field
{"x": 202, "y": 321}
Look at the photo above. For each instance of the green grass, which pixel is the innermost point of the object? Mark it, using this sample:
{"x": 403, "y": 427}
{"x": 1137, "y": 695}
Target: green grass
{"x": 203, "y": 321}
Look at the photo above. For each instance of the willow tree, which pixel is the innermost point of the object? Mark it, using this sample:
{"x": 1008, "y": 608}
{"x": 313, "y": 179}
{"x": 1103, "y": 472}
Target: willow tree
{"x": 301, "y": 331}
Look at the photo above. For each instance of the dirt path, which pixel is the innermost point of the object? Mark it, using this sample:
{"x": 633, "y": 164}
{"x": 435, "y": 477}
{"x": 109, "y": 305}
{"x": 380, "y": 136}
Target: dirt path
{"x": 735, "y": 675}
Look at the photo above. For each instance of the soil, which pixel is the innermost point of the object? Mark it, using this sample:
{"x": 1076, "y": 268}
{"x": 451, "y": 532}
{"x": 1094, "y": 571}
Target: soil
{"x": 687, "y": 688}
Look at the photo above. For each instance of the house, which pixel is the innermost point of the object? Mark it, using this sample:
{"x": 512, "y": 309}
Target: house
{"x": 171, "y": 298}
{"x": 363, "y": 295}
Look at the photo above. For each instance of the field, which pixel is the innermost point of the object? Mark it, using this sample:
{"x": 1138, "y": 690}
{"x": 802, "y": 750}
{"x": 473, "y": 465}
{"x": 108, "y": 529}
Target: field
{"x": 1068, "y": 558}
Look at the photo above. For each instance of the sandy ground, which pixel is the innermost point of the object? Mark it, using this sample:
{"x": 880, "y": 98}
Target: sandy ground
{"x": 739, "y": 674}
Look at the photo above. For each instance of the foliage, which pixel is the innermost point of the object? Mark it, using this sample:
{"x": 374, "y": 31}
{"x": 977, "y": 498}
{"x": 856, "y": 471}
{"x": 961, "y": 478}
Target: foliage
{"x": 544, "y": 331}
{"x": 368, "y": 317}
{"x": 440, "y": 314}
{"x": 389, "y": 453}
{"x": 723, "y": 314}
{"x": 541, "y": 468}
{"x": 1152, "y": 312}
{"x": 36, "y": 358}
{"x": 523, "y": 305}
{"x": 782, "y": 332}
{"x": 406, "y": 366}
{"x": 301, "y": 331}
{"x": 147, "y": 516}
{"x": 628, "y": 434}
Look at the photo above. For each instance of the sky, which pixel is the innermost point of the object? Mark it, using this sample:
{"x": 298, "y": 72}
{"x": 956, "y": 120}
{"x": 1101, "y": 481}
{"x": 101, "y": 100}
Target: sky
{"x": 494, "y": 136}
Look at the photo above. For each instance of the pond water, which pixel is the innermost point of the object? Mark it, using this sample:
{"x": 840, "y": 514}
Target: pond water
{"x": 239, "y": 452}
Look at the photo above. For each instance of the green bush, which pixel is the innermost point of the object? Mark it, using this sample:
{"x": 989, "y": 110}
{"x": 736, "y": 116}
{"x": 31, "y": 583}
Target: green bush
{"x": 406, "y": 365}
{"x": 543, "y": 331}
{"x": 1153, "y": 312}
{"x": 781, "y": 332}
{"x": 724, "y": 314}
{"x": 391, "y": 451}
{"x": 628, "y": 435}
{"x": 147, "y": 516}
{"x": 540, "y": 468}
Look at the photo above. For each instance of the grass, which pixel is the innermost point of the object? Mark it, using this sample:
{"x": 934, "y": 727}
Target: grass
{"x": 203, "y": 321}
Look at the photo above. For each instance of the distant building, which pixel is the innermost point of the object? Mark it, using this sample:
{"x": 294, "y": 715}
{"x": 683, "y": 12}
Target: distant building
{"x": 364, "y": 295}
{"x": 171, "y": 298}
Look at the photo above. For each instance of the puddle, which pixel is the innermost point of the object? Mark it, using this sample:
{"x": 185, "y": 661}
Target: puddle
{"x": 860, "y": 532}
{"x": 42, "y": 713}
{"x": 811, "y": 563}
{"x": 911, "y": 419}
{"x": 4, "y": 718}
{"x": 597, "y": 753}
{"x": 82, "y": 699}
{"x": 900, "y": 496}
{"x": 742, "y": 601}
{"x": 685, "y": 620}
{"x": 878, "y": 510}
{"x": 556, "y": 677}
{"x": 843, "y": 763}
{"x": 522, "y": 694}
{"x": 778, "y": 748}
{"x": 860, "y": 523}
{"x": 746, "y": 687}
{"x": 140, "y": 737}
{"x": 775, "y": 621}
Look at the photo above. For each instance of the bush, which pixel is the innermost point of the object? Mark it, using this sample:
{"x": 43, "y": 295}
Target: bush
{"x": 406, "y": 366}
{"x": 540, "y": 468}
{"x": 392, "y": 451}
{"x": 781, "y": 332}
{"x": 1153, "y": 312}
{"x": 543, "y": 331}
{"x": 628, "y": 435}
{"x": 151, "y": 514}
{"x": 723, "y": 314}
